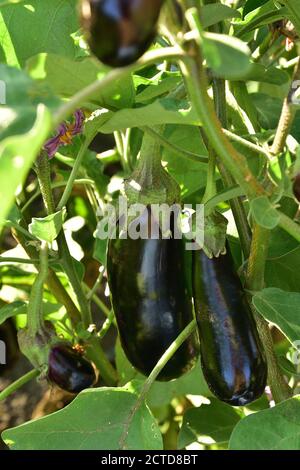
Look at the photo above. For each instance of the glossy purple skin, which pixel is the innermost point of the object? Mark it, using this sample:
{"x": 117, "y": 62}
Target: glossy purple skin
{"x": 69, "y": 369}
{"x": 232, "y": 356}
{"x": 151, "y": 301}
{"x": 120, "y": 31}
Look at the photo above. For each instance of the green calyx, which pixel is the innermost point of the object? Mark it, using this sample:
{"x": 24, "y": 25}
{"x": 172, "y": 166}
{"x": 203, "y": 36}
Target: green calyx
{"x": 150, "y": 183}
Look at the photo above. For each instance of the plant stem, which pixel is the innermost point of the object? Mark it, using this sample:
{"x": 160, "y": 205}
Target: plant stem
{"x": 19, "y": 260}
{"x": 97, "y": 301}
{"x": 35, "y": 318}
{"x": 236, "y": 204}
{"x": 93, "y": 348}
{"x": 69, "y": 187}
{"x": 106, "y": 325}
{"x": 291, "y": 227}
{"x": 255, "y": 282}
{"x": 53, "y": 284}
{"x": 58, "y": 184}
{"x": 99, "y": 86}
{"x": 247, "y": 143}
{"x": 288, "y": 113}
{"x": 174, "y": 148}
{"x": 235, "y": 163}
{"x": 154, "y": 374}
{"x": 13, "y": 387}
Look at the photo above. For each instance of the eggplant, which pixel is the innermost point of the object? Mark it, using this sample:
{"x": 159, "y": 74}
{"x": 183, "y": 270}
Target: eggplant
{"x": 232, "y": 356}
{"x": 120, "y": 31}
{"x": 69, "y": 370}
{"x": 150, "y": 298}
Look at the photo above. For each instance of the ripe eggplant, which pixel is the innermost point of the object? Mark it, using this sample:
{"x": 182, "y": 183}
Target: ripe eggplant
{"x": 120, "y": 31}
{"x": 232, "y": 356}
{"x": 69, "y": 369}
{"x": 151, "y": 300}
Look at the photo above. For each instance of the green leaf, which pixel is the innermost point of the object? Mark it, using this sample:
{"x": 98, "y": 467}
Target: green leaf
{"x": 66, "y": 77}
{"x": 215, "y": 12}
{"x": 10, "y": 310}
{"x": 273, "y": 75}
{"x": 282, "y": 308}
{"x": 47, "y": 228}
{"x": 283, "y": 271}
{"x": 157, "y": 86}
{"x": 49, "y": 26}
{"x": 100, "y": 251}
{"x": 161, "y": 111}
{"x": 277, "y": 428}
{"x": 215, "y": 420}
{"x": 96, "y": 420}
{"x": 264, "y": 213}
{"x": 227, "y": 56}
{"x": 162, "y": 393}
{"x": 251, "y": 5}
{"x": 265, "y": 14}
{"x": 17, "y": 154}
{"x": 190, "y": 175}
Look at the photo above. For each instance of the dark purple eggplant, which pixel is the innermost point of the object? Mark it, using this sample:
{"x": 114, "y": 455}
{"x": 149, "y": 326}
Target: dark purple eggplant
{"x": 151, "y": 301}
{"x": 120, "y": 31}
{"x": 232, "y": 356}
{"x": 69, "y": 369}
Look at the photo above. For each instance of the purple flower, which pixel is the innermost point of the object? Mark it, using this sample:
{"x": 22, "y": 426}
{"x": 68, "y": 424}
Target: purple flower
{"x": 65, "y": 133}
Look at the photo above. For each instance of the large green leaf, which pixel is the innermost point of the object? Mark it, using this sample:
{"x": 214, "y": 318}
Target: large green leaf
{"x": 264, "y": 213}
{"x": 161, "y": 111}
{"x": 66, "y": 77}
{"x": 17, "y": 154}
{"x": 282, "y": 308}
{"x": 162, "y": 393}
{"x": 38, "y": 26}
{"x": 215, "y": 12}
{"x": 190, "y": 175}
{"x": 277, "y": 428}
{"x": 10, "y": 310}
{"x": 283, "y": 271}
{"x": 226, "y": 55}
{"x": 97, "y": 419}
{"x": 215, "y": 420}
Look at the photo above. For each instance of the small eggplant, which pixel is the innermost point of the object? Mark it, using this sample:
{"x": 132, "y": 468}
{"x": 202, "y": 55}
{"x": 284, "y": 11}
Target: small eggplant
{"x": 69, "y": 369}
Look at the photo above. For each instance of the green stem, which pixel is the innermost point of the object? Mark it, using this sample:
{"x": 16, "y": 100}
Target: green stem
{"x": 96, "y": 300}
{"x": 291, "y": 227}
{"x": 58, "y": 184}
{"x": 69, "y": 187}
{"x": 236, "y": 204}
{"x": 13, "y": 387}
{"x": 97, "y": 355}
{"x": 94, "y": 347}
{"x": 255, "y": 282}
{"x": 154, "y": 374}
{"x": 21, "y": 230}
{"x": 99, "y": 86}
{"x": 247, "y": 143}
{"x": 180, "y": 152}
{"x": 19, "y": 260}
{"x": 287, "y": 116}
{"x": 35, "y": 318}
{"x": 236, "y": 164}
{"x": 106, "y": 325}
